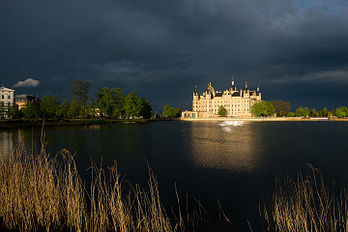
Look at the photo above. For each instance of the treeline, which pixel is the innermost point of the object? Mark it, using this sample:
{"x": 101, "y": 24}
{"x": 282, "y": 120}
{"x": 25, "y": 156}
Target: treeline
{"x": 282, "y": 109}
{"x": 110, "y": 103}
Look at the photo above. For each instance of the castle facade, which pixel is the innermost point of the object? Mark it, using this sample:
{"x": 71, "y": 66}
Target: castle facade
{"x": 238, "y": 103}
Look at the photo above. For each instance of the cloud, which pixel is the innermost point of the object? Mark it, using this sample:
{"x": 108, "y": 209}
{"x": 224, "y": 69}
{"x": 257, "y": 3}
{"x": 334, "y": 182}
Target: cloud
{"x": 29, "y": 82}
{"x": 334, "y": 76}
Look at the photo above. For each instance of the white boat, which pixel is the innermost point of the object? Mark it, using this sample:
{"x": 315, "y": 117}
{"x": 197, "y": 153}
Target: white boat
{"x": 232, "y": 123}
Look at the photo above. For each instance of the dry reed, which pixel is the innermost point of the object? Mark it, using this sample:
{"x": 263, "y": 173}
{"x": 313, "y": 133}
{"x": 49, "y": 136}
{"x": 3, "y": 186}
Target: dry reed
{"x": 307, "y": 204}
{"x": 43, "y": 193}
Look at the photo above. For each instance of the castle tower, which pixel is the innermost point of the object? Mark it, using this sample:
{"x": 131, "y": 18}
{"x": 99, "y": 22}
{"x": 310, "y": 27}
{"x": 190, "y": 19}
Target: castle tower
{"x": 233, "y": 87}
{"x": 195, "y": 99}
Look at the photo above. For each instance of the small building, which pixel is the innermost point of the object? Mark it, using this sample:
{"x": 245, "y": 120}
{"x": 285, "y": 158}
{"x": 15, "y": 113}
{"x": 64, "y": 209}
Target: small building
{"x": 7, "y": 100}
{"x": 238, "y": 103}
{"x": 22, "y": 99}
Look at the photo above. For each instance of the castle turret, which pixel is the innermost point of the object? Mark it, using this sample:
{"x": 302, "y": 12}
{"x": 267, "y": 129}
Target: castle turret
{"x": 233, "y": 87}
{"x": 195, "y": 99}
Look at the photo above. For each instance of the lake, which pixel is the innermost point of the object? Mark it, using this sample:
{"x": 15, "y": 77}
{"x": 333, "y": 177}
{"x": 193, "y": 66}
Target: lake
{"x": 236, "y": 164}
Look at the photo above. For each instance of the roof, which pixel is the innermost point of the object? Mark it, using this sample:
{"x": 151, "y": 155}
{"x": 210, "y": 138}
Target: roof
{"x": 218, "y": 95}
{"x": 235, "y": 94}
{"x": 6, "y": 89}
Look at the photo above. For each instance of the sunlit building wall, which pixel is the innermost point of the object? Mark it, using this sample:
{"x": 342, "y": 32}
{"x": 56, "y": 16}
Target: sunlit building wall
{"x": 238, "y": 103}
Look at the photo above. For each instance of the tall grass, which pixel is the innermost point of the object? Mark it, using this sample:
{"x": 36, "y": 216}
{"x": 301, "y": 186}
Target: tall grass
{"x": 39, "y": 192}
{"x": 307, "y": 204}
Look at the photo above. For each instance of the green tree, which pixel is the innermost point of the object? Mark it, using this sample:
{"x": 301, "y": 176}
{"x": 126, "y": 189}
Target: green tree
{"x": 302, "y": 112}
{"x": 263, "y": 108}
{"x": 341, "y": 112}
{"x": 290, "y": 114}
{"x": 31, "y": 110}
{"x": 62, "y": 109}
{"x": 222, "y": 111}
{"x": 80, "y": 95}
{"x": 132, "y": 105}
{"x": 281, "y": 107}
{"x": 73, "y": 110}
{"x": 105, "y": 102}
{"x": 171, "y": 112}
{"x": 146, "y": 109}
{"x": 49, "y": 106}
{"x": 323, "y": 112}
{"x": 313, "y": 113}
{"x": 13, "y": 112}
{"x": 119, "y": 99}
{"x": 110, "y": 102}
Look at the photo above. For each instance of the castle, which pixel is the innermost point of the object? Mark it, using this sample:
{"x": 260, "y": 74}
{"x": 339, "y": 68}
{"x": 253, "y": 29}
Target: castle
{"x": 238, "y": 103}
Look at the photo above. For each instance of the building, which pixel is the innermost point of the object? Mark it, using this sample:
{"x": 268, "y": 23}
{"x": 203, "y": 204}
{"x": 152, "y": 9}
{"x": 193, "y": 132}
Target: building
{"x": 7, "y": 100}
{"x": 238, "y": 103}
{"x": 22, "y": 99}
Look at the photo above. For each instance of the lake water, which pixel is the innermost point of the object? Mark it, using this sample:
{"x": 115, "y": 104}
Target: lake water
{"x": 236, "y": 164}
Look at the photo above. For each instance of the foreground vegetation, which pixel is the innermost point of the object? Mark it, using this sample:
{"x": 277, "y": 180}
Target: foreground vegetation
{"x": 39, "y": 192}
{"x": 43, "y": 193}
{"x": 307, "y": 204}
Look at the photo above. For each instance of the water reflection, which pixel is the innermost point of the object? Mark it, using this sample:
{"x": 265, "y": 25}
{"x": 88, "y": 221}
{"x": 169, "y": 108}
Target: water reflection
{"x": 9, "y": 140}
{"x": 225, "y": 146}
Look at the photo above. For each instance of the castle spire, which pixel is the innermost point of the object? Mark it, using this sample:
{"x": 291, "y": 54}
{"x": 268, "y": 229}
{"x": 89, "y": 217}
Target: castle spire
{"x": 232, "y": 81}
{"x": 258, "y": 88}
{"x": 195, "y": 88}
{"x": 246, "y": 84}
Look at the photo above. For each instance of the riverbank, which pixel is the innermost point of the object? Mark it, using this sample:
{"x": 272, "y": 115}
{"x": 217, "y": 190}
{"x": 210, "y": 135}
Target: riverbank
{"x": 268, "y": 119}
{"x": 69, "y": 122}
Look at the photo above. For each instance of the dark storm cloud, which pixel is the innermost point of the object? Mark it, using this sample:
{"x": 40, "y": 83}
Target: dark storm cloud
{"x": 162, "y": 48}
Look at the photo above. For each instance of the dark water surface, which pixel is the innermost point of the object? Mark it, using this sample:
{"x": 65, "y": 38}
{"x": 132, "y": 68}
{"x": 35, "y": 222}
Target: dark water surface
{"x": 210, "y": 161}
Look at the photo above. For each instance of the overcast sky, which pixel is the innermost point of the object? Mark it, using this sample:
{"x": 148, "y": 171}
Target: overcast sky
{"x": 296, "y": 50}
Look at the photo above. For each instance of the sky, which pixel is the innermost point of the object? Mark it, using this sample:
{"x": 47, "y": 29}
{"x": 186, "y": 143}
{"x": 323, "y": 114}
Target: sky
{"x": 295, "y": 50}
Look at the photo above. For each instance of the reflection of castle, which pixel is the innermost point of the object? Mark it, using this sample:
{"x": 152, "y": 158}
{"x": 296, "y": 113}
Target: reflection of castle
{"x": 237, "y": 103}
{"x": 215, "y": 147}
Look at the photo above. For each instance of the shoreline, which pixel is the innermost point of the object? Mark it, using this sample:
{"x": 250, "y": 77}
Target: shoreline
{"x": 269, "y": 119}
{"x": 8, "y": 124}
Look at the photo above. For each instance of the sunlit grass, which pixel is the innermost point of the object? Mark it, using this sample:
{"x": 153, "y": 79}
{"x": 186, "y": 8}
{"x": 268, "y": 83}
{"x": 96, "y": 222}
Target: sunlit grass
{"x": 39, "y": 192}
{"x": 307, "y": 203}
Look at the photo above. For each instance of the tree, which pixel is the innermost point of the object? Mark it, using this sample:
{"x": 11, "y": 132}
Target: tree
{"x": 132, "y": 105}
{"x": 110, "y": 102}
{"x": 13, "y": 112}
{"x": 263, "y": 108}
{"x": 119, "y": 99}
{"x": 105, "y": 102}
{"x": 222, "y": 111}
{"x": 323, "y": 112}
{"x": 171, "y": 112}
{"x": 62, "y": 109}
{"x": 146, "y": 109}
{"x": 49, "y": 106}
{"x": 73, "y": 110}
{"x": 302, "y": 112}
{"x": 31, "y": 110}
{"x": 80, "y": 95}
{"x": 281, "y": 107}
{"x": 341, "y": 112}
{"x": 290, "y": 114}
{"x": 313, "y": 113}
